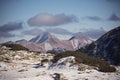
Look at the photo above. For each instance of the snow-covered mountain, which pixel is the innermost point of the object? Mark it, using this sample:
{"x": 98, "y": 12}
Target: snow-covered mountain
{"x": 41, "y": 38}
{"x": 47, "y": 42}
{"x": 79, "y": 40}
{"x": 50, "y": 42}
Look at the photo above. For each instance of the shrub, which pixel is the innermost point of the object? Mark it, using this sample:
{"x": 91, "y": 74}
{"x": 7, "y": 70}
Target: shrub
{"x": 103, "y": 66}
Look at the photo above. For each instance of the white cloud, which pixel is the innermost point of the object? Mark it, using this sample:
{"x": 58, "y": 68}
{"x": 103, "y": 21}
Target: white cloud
{"x": 46, "y": 19}
{"x": 59, "y": 31}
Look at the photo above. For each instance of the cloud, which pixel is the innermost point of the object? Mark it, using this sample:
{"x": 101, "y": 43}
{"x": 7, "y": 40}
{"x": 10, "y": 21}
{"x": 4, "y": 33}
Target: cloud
{"x": 95, "y": 33}
{"x": 9, "y": 27}
{"x": 6, "y": 35}
{"x": 59, "y": 31}
{"x": 46, "y": 19}
{"x": 53, "y": 30}
{"x": 94, "y": 18}
{"x": 33, "y": 32}
{"x": 114, "y": 17}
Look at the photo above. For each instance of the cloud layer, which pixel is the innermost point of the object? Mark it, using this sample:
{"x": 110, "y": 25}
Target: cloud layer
{"x": 59, "y": 31}
{"x": 112, "y": 17}
{"x": 33, "y": 32}
{"x": 46, "y": 19}
{"x": 6, "y": 35}
{"x": 94, "y": 18}
{"x": 9, "y": 27}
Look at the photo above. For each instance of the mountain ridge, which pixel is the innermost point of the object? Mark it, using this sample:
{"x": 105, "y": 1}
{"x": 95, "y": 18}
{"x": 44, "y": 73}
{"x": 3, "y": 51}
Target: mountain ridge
{"x": 46, "y": 42}
{"x": 106, "y": 47}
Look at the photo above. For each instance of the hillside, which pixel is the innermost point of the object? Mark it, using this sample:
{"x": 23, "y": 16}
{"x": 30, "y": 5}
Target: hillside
{"x": 102, "y": 65}
{"x": 106, "y": 47}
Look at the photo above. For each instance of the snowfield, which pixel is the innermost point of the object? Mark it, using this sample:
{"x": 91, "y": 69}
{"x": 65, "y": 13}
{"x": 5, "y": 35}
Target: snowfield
{"x": 44, "y": 74}
{"x": 24, "y": 70}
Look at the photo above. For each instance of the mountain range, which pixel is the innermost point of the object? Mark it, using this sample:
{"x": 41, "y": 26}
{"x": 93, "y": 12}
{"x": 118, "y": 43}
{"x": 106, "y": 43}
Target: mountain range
{"x": 47, "y": 42}
{"x": 107, "y": 47}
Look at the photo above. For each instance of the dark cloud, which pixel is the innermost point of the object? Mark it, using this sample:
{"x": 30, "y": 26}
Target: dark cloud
{"x": 6, "y": 35}
{"x": 94, "y": 18}
{"x": 46, "y": 19}
{"x": 59, "y": 31}
{"x": 95, "y": 33}
{"x": 33, "y": 32}
{"x": 114, "y": 17}
{"x": 7, "y": 28}
{"x": 53, "y": 30}
{"x": 11, "y": 26}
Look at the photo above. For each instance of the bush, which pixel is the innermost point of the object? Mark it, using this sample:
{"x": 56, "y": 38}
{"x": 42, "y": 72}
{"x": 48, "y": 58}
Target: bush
{"x": 103, "y": 66}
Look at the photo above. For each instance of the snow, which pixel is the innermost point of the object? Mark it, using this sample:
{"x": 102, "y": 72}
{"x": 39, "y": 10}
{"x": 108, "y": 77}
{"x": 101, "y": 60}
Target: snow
{"x": 25, "y": 70}
{"x": 40, "y": 38}
{"x": 65, "y": 59}
{"x": 45, "y": 74}
{"x": 64, "y": 63}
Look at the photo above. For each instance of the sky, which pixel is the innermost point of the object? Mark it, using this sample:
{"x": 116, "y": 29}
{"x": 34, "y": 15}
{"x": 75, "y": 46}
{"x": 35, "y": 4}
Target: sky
{"x": 24, "y": 19}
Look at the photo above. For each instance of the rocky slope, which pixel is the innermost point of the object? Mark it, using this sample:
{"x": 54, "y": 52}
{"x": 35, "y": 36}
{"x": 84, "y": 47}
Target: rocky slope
{"x": 64, "y": 63}
{"x": 50, "y": 42}
{"x": 106, "y": 47}
{"x": 79, "y": 40}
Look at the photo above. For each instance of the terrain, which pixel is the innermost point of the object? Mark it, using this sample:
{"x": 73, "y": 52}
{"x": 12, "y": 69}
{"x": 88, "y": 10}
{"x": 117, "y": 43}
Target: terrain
{"x": 45, "y": 57}
{"x": 28, "y": 65}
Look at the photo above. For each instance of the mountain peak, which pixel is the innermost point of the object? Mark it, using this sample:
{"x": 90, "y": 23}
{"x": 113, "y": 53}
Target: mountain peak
{"x": 40, "y": 38}
{"x": 79, "y": 35}
{"x": 79, "y": 40}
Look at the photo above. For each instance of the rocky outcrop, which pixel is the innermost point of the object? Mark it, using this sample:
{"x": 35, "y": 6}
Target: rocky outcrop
{"x": 64, "y": 63}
